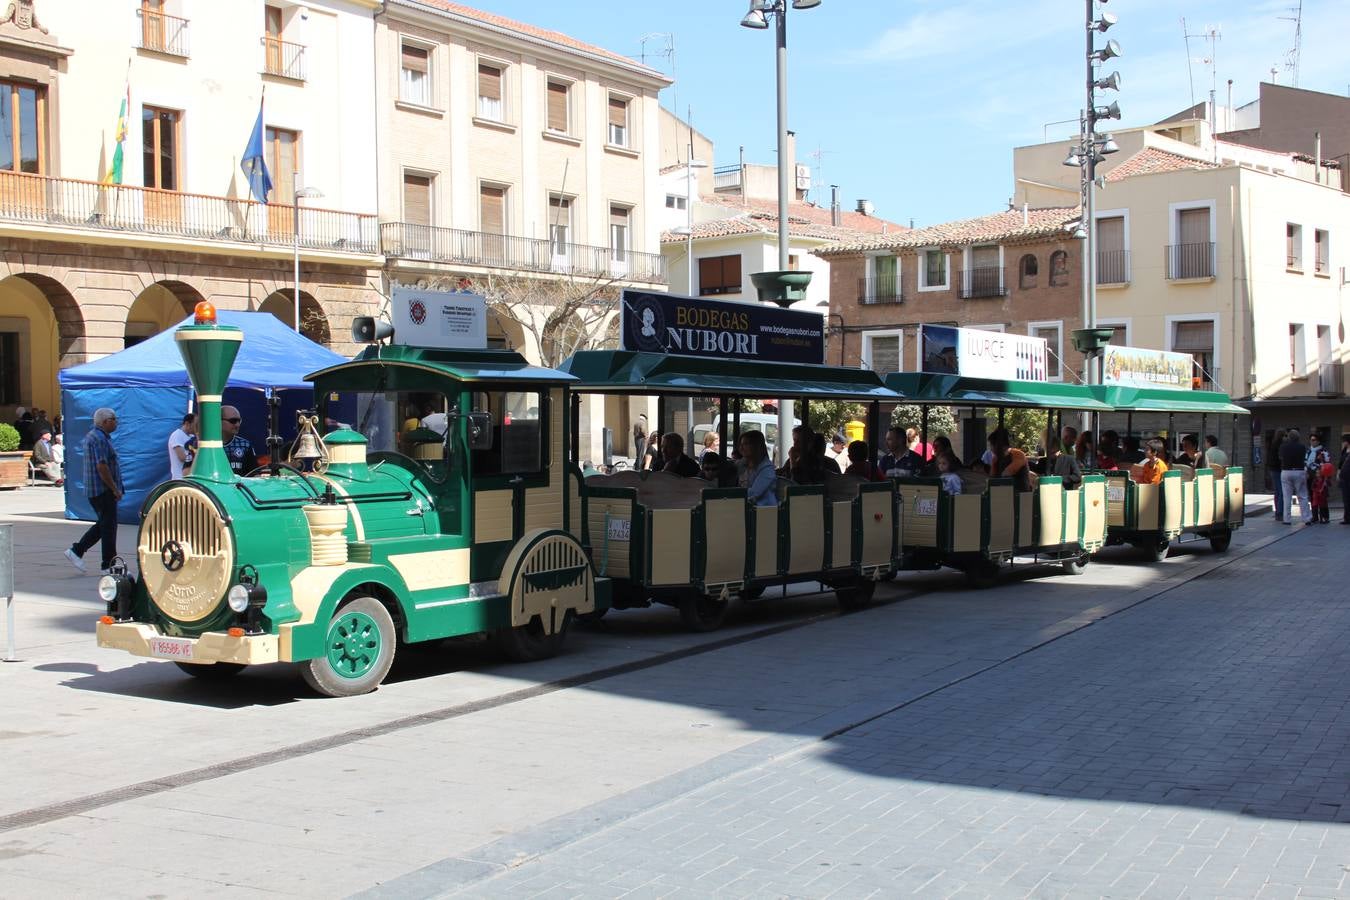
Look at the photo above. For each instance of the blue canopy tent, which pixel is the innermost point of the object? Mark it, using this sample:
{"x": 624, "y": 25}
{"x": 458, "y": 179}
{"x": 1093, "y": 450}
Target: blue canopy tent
{"x": 150, "y": 391}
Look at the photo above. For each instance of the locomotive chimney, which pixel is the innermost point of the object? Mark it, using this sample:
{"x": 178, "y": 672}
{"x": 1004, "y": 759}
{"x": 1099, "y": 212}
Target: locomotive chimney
{"x": 208, "y": 351}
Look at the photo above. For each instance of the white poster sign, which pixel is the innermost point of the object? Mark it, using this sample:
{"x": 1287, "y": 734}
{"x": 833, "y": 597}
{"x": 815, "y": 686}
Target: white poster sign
{"x": 972, "y": 353}
{"x": 448, "y": 320}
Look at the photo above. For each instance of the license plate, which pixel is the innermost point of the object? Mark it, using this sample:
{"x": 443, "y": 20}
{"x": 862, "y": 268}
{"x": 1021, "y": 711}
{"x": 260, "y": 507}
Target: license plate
{"x": 926, "y": 507}
{"x": 171, "y": 648}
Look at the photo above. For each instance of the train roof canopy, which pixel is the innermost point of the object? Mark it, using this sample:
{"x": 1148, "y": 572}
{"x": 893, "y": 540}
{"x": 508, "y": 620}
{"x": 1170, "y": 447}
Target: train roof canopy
{"x": 458, "y": 365}
{"x": 957, "y": 390}
{"x": 625, "y": 371}
{"x": 1137, "y": 399}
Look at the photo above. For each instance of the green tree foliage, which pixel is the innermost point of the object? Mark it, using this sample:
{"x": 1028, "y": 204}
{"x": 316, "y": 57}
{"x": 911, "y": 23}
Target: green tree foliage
{"x": 828, "y": 416}
{"x": 9, "y": 438}
{"x": 941, "y": 419}
{"x": 1026, "y": 427}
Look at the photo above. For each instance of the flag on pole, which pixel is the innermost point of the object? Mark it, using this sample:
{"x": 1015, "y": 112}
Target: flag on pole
{"x": 254, "y": 162}
{"x": 114, "y": 173}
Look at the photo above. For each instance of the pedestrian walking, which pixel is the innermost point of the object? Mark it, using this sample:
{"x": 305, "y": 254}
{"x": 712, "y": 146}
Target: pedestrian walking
{"x": 103, "y": 487}
{"x": 1294, "y": 477}
{"x": 1276, "y": 470}
{"x": 180, "y": 449}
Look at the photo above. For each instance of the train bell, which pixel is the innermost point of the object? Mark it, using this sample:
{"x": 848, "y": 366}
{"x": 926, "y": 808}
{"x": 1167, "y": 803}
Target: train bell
{"x": 307, "y": 448}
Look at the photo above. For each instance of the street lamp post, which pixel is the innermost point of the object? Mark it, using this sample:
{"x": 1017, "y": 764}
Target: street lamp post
{"x": 757, "y": 18}
{"x": 689, "y": 168}
{"x": 306, "y": 192}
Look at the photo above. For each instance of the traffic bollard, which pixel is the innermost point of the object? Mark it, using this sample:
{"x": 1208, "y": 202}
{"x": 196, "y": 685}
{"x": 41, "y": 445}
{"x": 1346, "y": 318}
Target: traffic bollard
{"x": 7, "y": 587}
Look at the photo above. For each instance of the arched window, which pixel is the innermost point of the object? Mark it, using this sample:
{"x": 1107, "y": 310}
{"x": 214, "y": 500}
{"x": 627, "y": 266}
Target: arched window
{"x": 1027, "y": 269}
{"x": 1059, "y": 268}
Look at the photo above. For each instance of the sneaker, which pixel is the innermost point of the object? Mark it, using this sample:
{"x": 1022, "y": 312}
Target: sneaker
{"x": 76, "y": 561}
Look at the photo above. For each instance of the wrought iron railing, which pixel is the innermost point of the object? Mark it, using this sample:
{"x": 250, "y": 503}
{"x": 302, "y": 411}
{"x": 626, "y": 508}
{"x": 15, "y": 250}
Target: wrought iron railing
{"x": 1113, "y": 267}
{"x": 163, "y": 33}
{"x": 982, "y": 281}
{"x": 433, "y": 243}
{"x": 283, "y": 58}
{"x": 70, "y": 203}
{"x": 1293, "y": 262}
{"x": 1190, "y": 260}
{"x": 879, "y": 289}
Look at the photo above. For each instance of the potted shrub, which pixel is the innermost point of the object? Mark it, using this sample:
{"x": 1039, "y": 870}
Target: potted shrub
{"x": 13, "y": 462}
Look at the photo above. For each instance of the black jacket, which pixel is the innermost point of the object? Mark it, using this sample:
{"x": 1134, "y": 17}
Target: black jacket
{"x": 1293, "y": 455}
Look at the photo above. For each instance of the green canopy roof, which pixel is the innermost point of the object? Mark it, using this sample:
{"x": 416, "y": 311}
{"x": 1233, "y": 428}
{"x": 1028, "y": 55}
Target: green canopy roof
{"x": 624, "y": 371}
{"x": 460, "y": 365}
{"x": 1137, "y": 399}
{"x": 956, "y": 390}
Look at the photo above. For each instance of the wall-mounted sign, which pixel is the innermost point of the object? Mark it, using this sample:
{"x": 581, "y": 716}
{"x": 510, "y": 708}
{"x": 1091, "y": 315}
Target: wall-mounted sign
{"x": 1137, "y": 367}
{"x": 688, "y": 326}
{"x": 981, "y": 354}
{"x": 446, "y": 319}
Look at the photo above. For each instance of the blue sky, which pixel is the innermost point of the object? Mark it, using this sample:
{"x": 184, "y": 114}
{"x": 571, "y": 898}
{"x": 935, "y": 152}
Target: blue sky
{"x": 916, "y": 104}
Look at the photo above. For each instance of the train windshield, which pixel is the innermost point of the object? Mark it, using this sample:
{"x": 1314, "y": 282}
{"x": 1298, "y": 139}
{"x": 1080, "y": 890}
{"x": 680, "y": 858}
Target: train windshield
{"x": 413, "y": 423}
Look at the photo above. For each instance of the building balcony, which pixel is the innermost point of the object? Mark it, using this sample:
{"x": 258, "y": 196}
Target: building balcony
{"x": 1186, "y": 261}
{"x": 981, "y": 282}
{"x": 1113, "y": 267}
{"x": 283, "y": 59}
{"x": 883, "y": 289}
{"x": 727, "y": 178}
{"x": 1329, "y": 380}
{"x": 431, "y": 243}
{"x": 163, "y": 33}
{"x": 43, "y": 201}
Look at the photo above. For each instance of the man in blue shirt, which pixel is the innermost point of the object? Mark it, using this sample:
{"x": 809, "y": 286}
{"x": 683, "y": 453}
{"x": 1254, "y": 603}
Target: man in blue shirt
{"x": 103, "y": 487}
{"x": 237, "y": 448}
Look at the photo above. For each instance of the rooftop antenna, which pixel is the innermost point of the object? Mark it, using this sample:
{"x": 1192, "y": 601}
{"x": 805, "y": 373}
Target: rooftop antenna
{"x": 1211, "y": 35}
{"x": 1291, "y": 58}
{"x": 665, "y": 49}
{"x": 818, "y": 155}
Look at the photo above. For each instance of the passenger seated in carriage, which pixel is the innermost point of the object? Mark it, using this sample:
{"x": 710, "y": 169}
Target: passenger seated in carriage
{"x": 1190, "y": 451}
{"x": 860, "y": 462}
{"x": 1108, "y": 450}
{"x": 758, "y": 477}
{"x": 1154, "y": 465}
{"x": 1008, "y": 462}
{"x": 718, "y": 471}
{"x": 900, "y": 461}
{"x": 941, "y": 444}
{"x": 946, "y": 467}
{"x": 1066, "y": 464}
{"x": 674, "y": 459}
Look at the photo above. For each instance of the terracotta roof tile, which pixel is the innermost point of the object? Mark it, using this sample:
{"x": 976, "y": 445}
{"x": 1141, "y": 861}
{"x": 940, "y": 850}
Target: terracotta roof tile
{"x": 534, "y": 31}
{"x": 807, "y": 212}
{"x": 1151, "y": 161}
{"x": 991, "y": 229}
{"x": 767, "y": 225}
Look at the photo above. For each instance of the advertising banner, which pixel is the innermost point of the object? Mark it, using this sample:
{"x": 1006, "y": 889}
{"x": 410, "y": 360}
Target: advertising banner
{"x": 1137, "y": 367}
{"x": 688, "y": 326}
{"x": 972, "y": 353}
{"x": 449, "y": 320}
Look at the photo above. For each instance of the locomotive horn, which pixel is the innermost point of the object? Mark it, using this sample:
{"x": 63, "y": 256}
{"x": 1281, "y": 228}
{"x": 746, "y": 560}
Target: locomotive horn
{"x": 208, "y": 351}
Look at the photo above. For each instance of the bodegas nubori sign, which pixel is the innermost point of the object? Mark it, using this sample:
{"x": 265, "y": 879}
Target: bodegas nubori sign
{"x": 447, "y": 320}
{"x": 689, "y": 326}
{"x": 1138, "y": 367}
{"x": 972, "y": 353}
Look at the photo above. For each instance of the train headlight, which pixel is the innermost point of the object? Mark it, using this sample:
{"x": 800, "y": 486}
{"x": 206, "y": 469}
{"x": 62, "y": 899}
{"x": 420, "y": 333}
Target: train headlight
{"x": 248, "y": 599}
{"x": 107, "y": 588}
{"x": 238, "y": 598}
{"x": 114, "y": 589}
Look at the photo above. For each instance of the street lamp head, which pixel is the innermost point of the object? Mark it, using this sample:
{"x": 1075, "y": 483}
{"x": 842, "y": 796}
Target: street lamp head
{"x": 697, "y": 164}
{"x": 805, "y": 4}
{"x": 1110, "y": 51}
{"x": 1079, "y": 233}
{"x": 1110, "y": 82}
{"x": 1106, "y": 21}
{"x": 1073, "y": 160}
{"x": 755, "y": 19}
{"x": 1110, "y": 111}
{"x": 1108, "y": 145}
{"x": 307, "y": 193}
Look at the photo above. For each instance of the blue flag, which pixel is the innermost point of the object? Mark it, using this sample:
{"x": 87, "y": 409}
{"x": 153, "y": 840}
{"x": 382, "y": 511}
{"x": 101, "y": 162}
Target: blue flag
{"x": 254, "y": 162}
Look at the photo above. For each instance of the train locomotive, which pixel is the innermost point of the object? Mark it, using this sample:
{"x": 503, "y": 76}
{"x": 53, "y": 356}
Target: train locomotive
{"x": 332, "y": 569}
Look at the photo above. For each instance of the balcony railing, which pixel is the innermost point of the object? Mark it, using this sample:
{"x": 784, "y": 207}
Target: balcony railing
{"x": 1321, "y": 266}
{"x": 984, "y": 281}
{"x": 501, "y": 251}
{"x": 1113, "y": 267}
{"x": 66, "y": 202}
{"x": 1329, "y": 382}
{"x": 1293, "y": 262}
{"x": 727, "y": 178}
{"x": 163, "y": 33}
{"x": 1190, "y": 261}
{"x": 879, "y": 289}
{"x": 283, "y": 59}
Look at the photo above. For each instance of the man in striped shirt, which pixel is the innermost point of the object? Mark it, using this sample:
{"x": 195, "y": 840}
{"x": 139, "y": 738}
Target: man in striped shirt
{"x": 103, "y": 487}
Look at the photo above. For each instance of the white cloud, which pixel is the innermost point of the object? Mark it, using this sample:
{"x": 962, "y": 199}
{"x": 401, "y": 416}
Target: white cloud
{"x": 958, "y": 31}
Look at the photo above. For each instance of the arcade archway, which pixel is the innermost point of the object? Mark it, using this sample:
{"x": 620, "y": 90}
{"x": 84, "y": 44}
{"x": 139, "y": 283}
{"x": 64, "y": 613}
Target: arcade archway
{"x": 41, "y": 332}
{"x": 158, "y": 308}
{"x": 313, "y": 321}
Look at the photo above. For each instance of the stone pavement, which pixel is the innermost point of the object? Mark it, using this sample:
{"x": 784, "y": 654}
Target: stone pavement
{"x": 125, "y": 778}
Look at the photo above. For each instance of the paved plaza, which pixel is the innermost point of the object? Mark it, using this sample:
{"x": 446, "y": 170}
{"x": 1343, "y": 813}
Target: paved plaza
{"x": 1140, "y": 730}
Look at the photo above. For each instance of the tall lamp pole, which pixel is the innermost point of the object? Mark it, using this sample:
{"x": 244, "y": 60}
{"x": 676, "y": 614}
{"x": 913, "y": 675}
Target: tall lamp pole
{"x": 305, "y": 192}
{"x": 757, "y": 18}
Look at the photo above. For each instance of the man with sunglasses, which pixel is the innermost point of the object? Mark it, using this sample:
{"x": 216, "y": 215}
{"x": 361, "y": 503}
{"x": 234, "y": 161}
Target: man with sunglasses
{"x": 237, "y": 448}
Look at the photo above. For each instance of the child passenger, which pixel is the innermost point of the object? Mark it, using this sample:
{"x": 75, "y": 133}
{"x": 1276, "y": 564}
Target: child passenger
{"x": 951, "y": 480}
{"x": 1154, "y": 466}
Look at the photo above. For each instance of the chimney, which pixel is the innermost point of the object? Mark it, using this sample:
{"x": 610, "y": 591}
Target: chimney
{"x": 1317, "y": 156}
{"x": 865, "y": 207}
{"x": 836, "y": 214}
{"x": 1026, "y": 216}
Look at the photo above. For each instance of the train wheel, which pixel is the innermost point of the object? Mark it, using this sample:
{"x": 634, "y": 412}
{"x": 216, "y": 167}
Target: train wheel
{"x": 214, "y": 672}
{"x": 982, "y": 573}
{"x": 529, "y": 643}
{"x": 856, "y": 596}
{"x": 1075, "y": 565}
{"x": 700, "y": 612}
{"x": 1158, "y": 551}
{"x": 358, "y": 652}
{"x": 1219, "y": 541}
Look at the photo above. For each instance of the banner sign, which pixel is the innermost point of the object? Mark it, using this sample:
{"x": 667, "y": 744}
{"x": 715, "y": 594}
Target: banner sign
{"x": 981, "y": 354}
{"x": 450, "y": 320}
{"x": 689, "y": 326}
{"x": 1137, "y": 367}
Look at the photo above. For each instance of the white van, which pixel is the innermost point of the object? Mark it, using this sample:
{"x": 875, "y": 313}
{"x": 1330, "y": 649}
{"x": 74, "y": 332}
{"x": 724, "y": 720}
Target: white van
{"x": 765, "y": 422}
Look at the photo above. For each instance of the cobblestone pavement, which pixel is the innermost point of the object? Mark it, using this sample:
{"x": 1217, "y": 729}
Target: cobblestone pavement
{"x": 1193, "y": 745}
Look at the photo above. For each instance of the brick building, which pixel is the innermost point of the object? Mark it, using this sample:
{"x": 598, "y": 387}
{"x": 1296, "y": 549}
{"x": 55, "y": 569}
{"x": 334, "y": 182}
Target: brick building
{"x": 1015, "y": 271}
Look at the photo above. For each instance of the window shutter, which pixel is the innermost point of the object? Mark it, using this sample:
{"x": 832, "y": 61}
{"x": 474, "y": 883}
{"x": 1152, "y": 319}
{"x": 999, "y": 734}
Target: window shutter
{"x": 885, "y": 354}
{"x": 417, "y": 199}
{"x": 557, "y": 106}
{"x": 1194, "y": 226}
{"x": 618, "y": 111}
{"x": 618, "y": 216}
{"x": 415, "y": 58}
{"x": 1111, "y": 234}
{"x": 1193, "y": 337}
{"x": 489, "y": 82}
{"x": 984, "y": 257}
{"x": 492, "y": 209}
